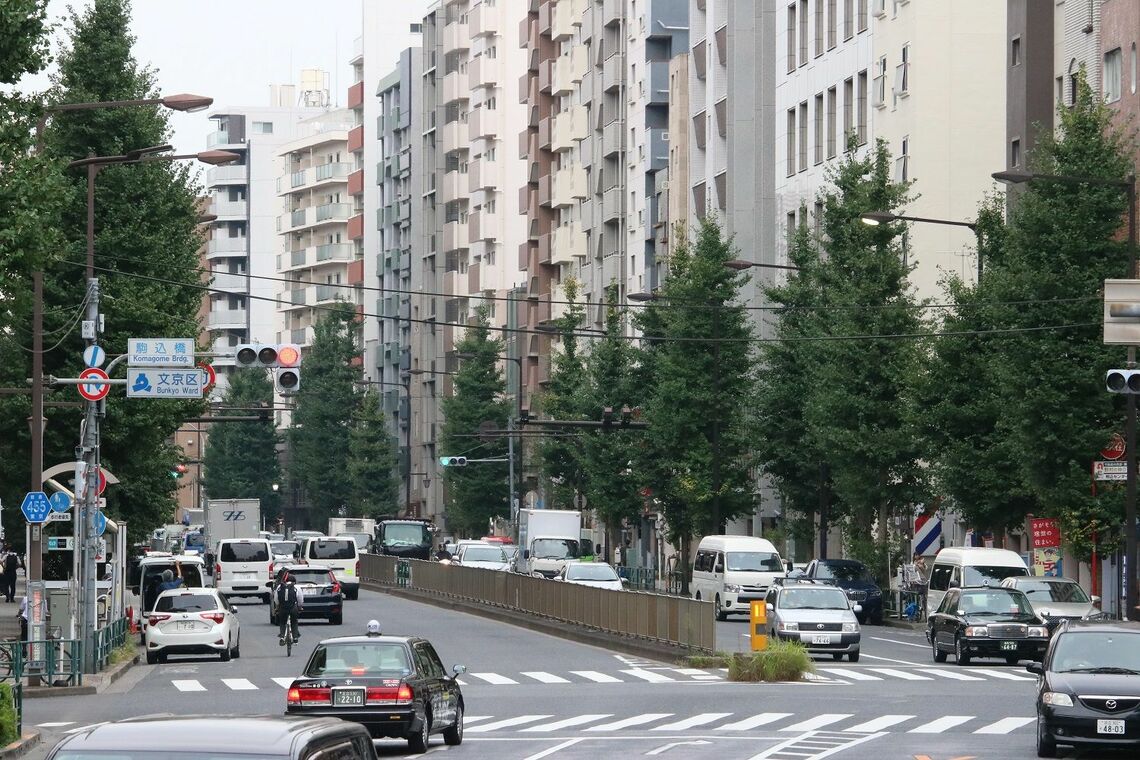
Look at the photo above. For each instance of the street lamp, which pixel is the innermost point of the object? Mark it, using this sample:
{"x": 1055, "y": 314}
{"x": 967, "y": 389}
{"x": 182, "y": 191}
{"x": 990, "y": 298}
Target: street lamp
{"x": 740, "y": 265}
{"x": 1128, "y": 186}
{"x": 875, "y": 218}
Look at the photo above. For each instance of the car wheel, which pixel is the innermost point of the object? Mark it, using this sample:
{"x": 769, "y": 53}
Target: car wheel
{"x": 336, "y": 619}
{"x": 418, "y": 742}
{"x": 837, "y": 656}
{"x": 719, "y": 613}
{"x": 1046, "y": 746}
{"x": 453, "y": 736}
{"x": 353, "y": 594}
{"x": 960, "y": 655}
{"x": 266, "y": 598}
{"x": 237, "y": 649}
{"x": 225, "y": 653}
{"x": 939, "y": 655}
{"x": 853, "y": 657}
{"x": 152, "y": 658}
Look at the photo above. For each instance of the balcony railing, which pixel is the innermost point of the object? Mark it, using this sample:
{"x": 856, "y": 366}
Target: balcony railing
{"x": 332, "y": 171}
{"x": 335, "y": 211}
{"x": 226, "y": 318}
{"x": 297, "y": 217}
{"x": 220, "y": 174}
{"x": 329, "y": 292}
{"x": 296, "y": 179}
{"x": 226, "y": 245}
{"x": 334, "y": 252}
{"x": 297, "y": 257}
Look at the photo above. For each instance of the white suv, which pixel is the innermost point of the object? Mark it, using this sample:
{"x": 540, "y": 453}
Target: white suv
{"x": 339, "y": 555}
{"x": 243, "y": 567}
{"x": 192, "y": 621}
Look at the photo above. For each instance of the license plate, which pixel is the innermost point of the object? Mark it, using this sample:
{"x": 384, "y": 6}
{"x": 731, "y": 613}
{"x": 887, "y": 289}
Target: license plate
{"x": 1110, "y": 727}
{"x": 245, "y": 576}
{"x": 1009, "y": 646}
{"x": 185, "y": 625}
{"x": 348, "y": 697}
{"x": 821, "y": 639}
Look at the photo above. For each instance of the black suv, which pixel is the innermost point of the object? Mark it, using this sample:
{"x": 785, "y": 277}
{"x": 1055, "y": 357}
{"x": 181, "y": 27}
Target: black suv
{"x": 1089, "y": 690}
{"x": 322, "y": 594}
{"x": 856, "y": 580}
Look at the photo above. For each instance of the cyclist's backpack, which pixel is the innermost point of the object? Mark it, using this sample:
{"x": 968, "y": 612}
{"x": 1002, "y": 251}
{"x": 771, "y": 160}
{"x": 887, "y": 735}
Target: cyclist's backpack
{"x": 286, "y": 596}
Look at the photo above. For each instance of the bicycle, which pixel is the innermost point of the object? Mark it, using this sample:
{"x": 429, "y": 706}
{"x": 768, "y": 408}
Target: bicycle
{"x": 288, "y": 639}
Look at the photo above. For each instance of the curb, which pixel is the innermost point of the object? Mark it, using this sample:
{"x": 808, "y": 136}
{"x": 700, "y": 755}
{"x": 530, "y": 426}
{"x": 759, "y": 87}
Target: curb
{"x": 637, "y": 647}
{"x": 21, "y": 746}
{"x": 904, "y": 624}
{"x": 97, "y": 682}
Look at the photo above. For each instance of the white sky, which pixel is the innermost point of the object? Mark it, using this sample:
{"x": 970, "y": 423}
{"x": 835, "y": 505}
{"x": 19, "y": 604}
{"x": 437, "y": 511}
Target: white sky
{"x": 232, "y": 50}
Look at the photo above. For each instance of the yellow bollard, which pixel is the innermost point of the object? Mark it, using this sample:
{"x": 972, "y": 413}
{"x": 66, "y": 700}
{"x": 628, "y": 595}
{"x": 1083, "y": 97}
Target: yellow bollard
{"x": 758, "y": 619}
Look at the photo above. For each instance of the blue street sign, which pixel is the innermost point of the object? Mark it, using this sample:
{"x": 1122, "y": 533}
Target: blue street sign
{"x": 94, "y": 356}
{"x": 60, "y": 502}
{"x": 100, "y": 523}
{"x": 35, "y": 506}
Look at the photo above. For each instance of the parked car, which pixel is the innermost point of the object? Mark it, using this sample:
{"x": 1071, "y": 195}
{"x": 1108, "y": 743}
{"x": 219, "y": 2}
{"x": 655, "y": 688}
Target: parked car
{"x": 596, "y": 574}
{"x": 817, "y": 615}
{"x": 233, "y": 738}
{"x": 486, "y": 556}
{"x": 322, "y": 594}
{"x": 192, "y": 621}
{"x": 338, "y": 554}
{"x": 990, "y": 621}
{"x": 856, "y": 581}
{"x": 1055, "y": 599}
{"x": 395, "y": 686}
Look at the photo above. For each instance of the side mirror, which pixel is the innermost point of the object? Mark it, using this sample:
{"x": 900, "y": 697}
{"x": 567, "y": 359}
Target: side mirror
{"x": 718, "y": 569}
{"x": 1096, "y": 601}
{"x": 955, "y": 584}
{"x": 1035, "y": 667}
{"x": 770, "y": 607}
{"x": 233, "y": 609}
{"x": 526, "y": 553}
{"x": 459, "y": 669}
{"x": 537, "y": 574}
{"x": 625, "y": 581}
{"x": 857, "y": 608}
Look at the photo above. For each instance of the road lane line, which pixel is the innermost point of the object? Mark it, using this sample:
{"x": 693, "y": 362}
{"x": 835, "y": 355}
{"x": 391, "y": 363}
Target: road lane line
{"x": 544, "y": 677}
{"x": 596, "y": 677}
{"x": 755, "y": 721}
{"x": 1004, "y": 674}
{"x": 188, "y": 685}
{"x": 475, "y": 718}
{"x": 941, "y": 724}
{"x": 552, "y": 750}
{"x": 494, "y": 678}
{"x": 1005, "y": 725}
{"x": 696, "y": 720}
{"x": 878, "y": 724}
{"x": 818, "y": 746}
{"x": 889, "y": 659}
{"x": 852, "y": 673}
{"x": 60, "y": 724}
{"x": 577, "y": 720}
{"x": 648, "y": 675}
{"x": 239, "y": 684}
{"x": 901, "y": 674}
{"x": 636, "y": 720}
{"x": 819, "y": 721}
{"x": 904, "y": 643}
{"x": 505, "y": 723}
{"x": 953, "y": 674}
{"x": 690, "y": 671}
{"x": 284, "y": 682}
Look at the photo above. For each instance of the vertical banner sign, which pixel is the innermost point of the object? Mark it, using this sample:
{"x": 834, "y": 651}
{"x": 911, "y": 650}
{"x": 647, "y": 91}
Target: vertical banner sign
{"x": 1046, "y": 537}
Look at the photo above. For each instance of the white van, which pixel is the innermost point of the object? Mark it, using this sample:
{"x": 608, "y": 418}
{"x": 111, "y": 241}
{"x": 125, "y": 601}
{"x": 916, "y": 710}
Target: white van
{"x": 243, "y": 567}
{"x": 340, "y": 555}
{"x": 732, "y": 571}
{"x": 960, "y": 566}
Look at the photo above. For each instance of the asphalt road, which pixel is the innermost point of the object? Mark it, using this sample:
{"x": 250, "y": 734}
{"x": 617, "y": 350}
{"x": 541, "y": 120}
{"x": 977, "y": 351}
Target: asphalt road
{"x": 534, "y": 696}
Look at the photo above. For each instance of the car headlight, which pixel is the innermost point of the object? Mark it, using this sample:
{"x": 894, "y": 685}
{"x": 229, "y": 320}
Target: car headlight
{"x": 875, "y": 592}
{"x": 732, "y": 588}
{"x": 1037, "y": 631}
{"x": 977, "y": 630}
{"x": 850, "y": 627}
{"x": 788, "y": 626}
{"x": 1056, "y": 698}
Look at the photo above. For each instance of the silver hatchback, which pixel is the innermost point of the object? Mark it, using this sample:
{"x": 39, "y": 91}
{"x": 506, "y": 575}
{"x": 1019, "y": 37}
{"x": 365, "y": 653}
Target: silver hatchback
{"x": 820, "y": 617}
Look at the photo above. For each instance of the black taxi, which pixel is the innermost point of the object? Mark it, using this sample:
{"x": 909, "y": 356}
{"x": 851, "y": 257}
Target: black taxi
{"x": 395, "y": 686}
{"x": 986, "y": 621}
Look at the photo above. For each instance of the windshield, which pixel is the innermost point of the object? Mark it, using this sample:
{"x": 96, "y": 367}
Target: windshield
{"x": 985, "y": 575}
{"x": 1090, "y": 650}
{"x": 996, "y": 603}
{"x": 332, "y": 548}
{"x": 843, "y": 571}
{"x": 318, "y": 577}
{"x": 1065, "y": 593}
{"x": 591, "y": 572}
{"x": 191, "y": 575}
{"x": 362, "y": 539}
{"x": 335, "y": 660}
{"x": 186, "y": 603}
{"x": 554, "y": 548}
{"x": 284, "y": 548}
{"x": 753, "y": 562}
{"x": 406, "y": 534}
{"x": 483, "y": 554}
{"x": 245, "y": 552}
{"x": 813, "y": 599}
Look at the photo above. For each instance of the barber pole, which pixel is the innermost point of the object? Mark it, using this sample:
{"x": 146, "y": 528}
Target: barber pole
{"x": 927, "y": 531}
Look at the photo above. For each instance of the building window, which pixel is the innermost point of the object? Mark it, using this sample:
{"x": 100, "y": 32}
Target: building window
{"x": 1133, "y": 57}
{"x": 848, "y": 19}
{"x": 803, "y": 32}
{"x": 1015, "y": 51}
{"x": 862, "y": 105}
{"x": 791, "y": 38}
{"x": 902, "y": 73}
{"x": 880, "y": 83}
{"x": 262, "y": 127}
{"x": 1074, "y": 74}
{"x": 790, "y": 230}
{"x": 902, "y": 163}
{"x": 862, "y": 15}
{"x": 1059, "y": 90}
{"x": 818, "y": 28}
{"x": 803, "y": 136}
{"x": 819, "y": 128}
{"x": 832, "y": 23}
{"x": 1015, "y": 153}
{"x": 848, "y": 109}
{"x": 1113, "y": 61}
{"x": 791, "y": 140}
{"x": 831, "y": 98}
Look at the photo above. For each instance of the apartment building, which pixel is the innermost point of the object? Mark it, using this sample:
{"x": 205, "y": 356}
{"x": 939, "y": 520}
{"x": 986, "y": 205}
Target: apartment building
{"x": 673, "y": 183}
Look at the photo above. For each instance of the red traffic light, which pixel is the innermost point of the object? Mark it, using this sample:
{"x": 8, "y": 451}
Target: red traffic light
{"x": 288, "y": 355}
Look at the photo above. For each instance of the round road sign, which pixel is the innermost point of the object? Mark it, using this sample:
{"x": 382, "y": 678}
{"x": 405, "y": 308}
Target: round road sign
{"x": 1115, "y": 448}
{"x": 211, "y": 376}
{"x": 93, "y": 391}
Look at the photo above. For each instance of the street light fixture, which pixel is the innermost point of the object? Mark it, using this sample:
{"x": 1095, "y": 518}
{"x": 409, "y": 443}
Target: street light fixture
{"x": 875, "y": 218}
{"x": 740, "y": 265}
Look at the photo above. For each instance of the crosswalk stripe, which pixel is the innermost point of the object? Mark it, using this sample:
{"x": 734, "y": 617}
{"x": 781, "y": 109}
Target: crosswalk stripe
{"x": 1004, "y": 674}
{"x": 901, "y": 674}
{"x": 1004, "y": 726}
{"x": 239, "y": 684}
{"x": 690, "y": 671}
{"x": 941, "y": 724}
{"x": 595, "y": 676}
{"x": 544, "y": 677}
{"x": 284, "y": 682}
{"x": 577, "y": 720}
{"x": 475, "y": 718}
{"x": 819, "y": 721}
{"x": 755, "y": 721}
{"x": 651, "y": 676}
{"x": 696, "y": 720}
{"x": 878, "y": 724}
{"x": 852, "y": 673}
{"x": 505, "y": 723}
{"x": 188, "y": 685}
{"x": 952, "y": 674}
{"x": 636, "y": 720}
{"x": 494, "y": 678}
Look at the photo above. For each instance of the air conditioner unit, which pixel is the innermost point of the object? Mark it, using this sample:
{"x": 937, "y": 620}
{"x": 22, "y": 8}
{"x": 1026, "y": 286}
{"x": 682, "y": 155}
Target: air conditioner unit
{"x": 665, "y": 184}
{"x": 664, "y": 137}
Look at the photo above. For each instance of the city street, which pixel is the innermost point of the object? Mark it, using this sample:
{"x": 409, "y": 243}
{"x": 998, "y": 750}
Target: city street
{"x": 533, "y": 696}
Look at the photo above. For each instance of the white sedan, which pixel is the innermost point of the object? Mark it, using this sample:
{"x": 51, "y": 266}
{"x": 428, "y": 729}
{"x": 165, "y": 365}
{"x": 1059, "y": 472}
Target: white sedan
{"x": 596, "y": 574}
{"x": 192, "y": 621}
{"x": 486, "y": 556}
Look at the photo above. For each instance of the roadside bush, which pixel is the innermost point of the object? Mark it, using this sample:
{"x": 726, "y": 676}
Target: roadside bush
{"x": 716, "y": 660}
{"x": 781, "y": 661}
{"x": 123, "y": 653}
{"x": 8, "y": 731}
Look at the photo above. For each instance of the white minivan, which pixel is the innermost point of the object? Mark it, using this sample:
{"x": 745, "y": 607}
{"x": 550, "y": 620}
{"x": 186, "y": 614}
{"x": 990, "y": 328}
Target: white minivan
{"x": 732, "y": 571}
{"x": 961, "y": 566}
{"x": 243, "y": 567}
{"x": 340, "y": 555}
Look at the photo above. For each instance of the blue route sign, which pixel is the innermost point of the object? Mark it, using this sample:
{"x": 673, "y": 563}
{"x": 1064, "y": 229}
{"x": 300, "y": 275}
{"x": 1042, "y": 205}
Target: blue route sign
{"x": 60, "y": 502}
{"x": 35, "y": 506}
{"x": 100, "y": 523}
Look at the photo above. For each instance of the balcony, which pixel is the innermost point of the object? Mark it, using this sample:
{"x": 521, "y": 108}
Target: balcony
{"x": 301, "y": 336}
{"x": 658, "y": 83}
{"x": 528, "y": 144}
{"x": 227, "y": 319}
{"x": 297, "y": 258}
{"x": 453, "y": 187}
{"x": 454, "y": 135}
{"x": 330, "y": 172}
{"x": 700, "y": 59}
{"x": 612, "y": 12}
{"x": 229, "y": 210}
{"x": 295, "y": 297}
{"x": 569, "y": 126}
{"x": 700, "y": 121}
{"x": 567, "y": 15}
{"x": 226, "y": 175}
{"x": 475, "y": 226}
{"x": 613, "y": 72}
{"x": 544, "y": 134}
{"x": 482, "y": 123}
{"x": 223, "y": 247}
{"x": 333, "y": 212}
{"x": 299, "y": 218}
{"x": 454, "y": 87}
{"x": 568, "y": 70}
{"x": 356, "y": 95}
{"x": 481, "y": 21}
{"x": 356, "y": 182}
{"x": 456, "y": 36}
{"x": 356, "y": 227}
{"x": 611, "y": 139}
{"x": 566, "y": 242}
{"x": 356, "y": 139}
{"x": 658, "y": 146}
{"x": 220, "y": 139}
{"x": 545, "y": 75}
{"x": 326, "y": 293}
{"x": 611, "y": 204}
{"x": 568, "y": 186}
{"x": 231, "y": 282}
{"x": 482, "y": 72}
{"x": 544, "y": 249}
{"x": 482, "y": 174}
{"x": 454, "y": 236}
{"x": 355, "y": 273}
{"x": 544, "y": 190}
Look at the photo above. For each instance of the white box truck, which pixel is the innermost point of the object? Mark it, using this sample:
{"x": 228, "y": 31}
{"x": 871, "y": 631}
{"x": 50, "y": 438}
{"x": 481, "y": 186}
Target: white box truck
{"x": 231, "y": 518}
{"x": 548, "y": 539}
{"x": 359, "y": 529}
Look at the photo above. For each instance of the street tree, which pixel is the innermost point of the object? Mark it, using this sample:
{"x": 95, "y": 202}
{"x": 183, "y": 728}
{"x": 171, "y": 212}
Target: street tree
{"x": 240, "y": 460}
{"x": 374, "y": 487}
{"x": 560, "y": 453}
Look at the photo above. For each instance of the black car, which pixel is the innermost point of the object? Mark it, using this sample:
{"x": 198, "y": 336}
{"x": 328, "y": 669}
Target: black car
{"x": 228, "y": 738}
{"x": 1089, "y": 690}
{"x": 986, "y": 622}
{"x": 323, "y": 597}
{"x": 395, "y": 686}
{"x": 856, "y": 580}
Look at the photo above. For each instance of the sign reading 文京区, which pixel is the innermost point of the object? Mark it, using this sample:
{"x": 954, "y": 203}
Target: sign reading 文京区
{"x": 1045, "y": 532}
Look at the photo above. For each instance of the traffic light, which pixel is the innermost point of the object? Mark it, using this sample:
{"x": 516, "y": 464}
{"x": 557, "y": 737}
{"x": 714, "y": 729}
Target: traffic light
{"x": 453, "y": 461}
{"x": 267, "y": 355}
{"x": 287, "y": 379}
{"x": 179, "y": 471}
{"x": 1123, "y": 381}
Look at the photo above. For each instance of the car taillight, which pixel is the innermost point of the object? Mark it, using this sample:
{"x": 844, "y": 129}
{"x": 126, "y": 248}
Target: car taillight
{"x": 217, "y": 572}
{"x": 217, "y": 617}
{"x": 301, "y": 696}
{"x": 357, "y": 568}
{"x": 387, "y": 695}
{"x": 404, "y": 695}
{"x": 270, "y": 569}
{"x": 336, "y": 587}
{"x": 156, "y": 619}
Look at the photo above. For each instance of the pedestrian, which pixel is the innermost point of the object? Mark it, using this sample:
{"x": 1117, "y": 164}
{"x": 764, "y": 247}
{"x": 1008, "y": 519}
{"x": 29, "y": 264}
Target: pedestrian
{"x": 11, "y": 564}
{"x": 23, "y": 615}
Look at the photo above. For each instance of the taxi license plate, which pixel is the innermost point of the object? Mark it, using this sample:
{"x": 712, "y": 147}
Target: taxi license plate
{"x": 1110, "y": 727}
{"x": 821, "y": 639}
{"x": 1009, "y": 646}
{"x": 348, "y": 697}
{"x": 185, "y": 625}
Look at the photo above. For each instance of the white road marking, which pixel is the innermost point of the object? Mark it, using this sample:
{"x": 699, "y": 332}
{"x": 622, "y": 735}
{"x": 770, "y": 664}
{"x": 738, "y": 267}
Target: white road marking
{"x": 818, "y": 721}
{"x": 666, "y": 747}
{"x": 188, "y": 685}
{"x": 505, "y": 723}
{"x": 494, "y": 678}
{"x": 1004, "y": 674}
{"x": 941, "y": 724}
{"x": 852, "y": 673}
{"x": 755, "y": 721}
{"x": 648, "y": 675}
{"x": 475, "y": 718}
{"x": 888, "y": 659}
{"x": 577, "y": 720}
{"x": 461, "y": 683}
{"x": 636, "y": 720}
{"x": 552, "y": 750}
{"x": 878, "y": 724}
{"x": 284, "y": 682}
{"x": 904, "y": 643}
{"x": 952, "y": 674}
{"x": 596, "y": 677}
{"x": 1004, "y": 726}
{"x": 687, "y": 723}
{"x": 60, "y": 724}
{"x": 690, "y": 671}
{"x": 901, "y": 674}
{"x": 819, "y": 745}
{"x": 239, "y": 684}
{"x": 544, "y": 677}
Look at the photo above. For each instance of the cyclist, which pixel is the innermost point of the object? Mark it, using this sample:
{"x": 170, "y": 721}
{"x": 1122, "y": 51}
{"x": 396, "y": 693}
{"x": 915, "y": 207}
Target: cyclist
{"x": 373, "y": 628}
{"x": 290, "y": 601}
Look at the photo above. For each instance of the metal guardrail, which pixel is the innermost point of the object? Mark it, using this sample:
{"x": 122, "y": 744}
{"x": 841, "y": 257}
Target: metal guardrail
{"x": 58, "y": 662}
{"x": 657, "y": 617}
{"x": 640, "y": 578}
{"x": 108, "y": 639}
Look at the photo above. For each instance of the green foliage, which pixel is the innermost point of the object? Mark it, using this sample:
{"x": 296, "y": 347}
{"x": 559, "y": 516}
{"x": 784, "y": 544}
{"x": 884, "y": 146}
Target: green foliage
{"x": 563, "y": 398}
{"x": 781, "y": 661}
{"x": 374, "y": 487}
{"x": 478, "y": 492}
{"x": 9, "y": 732}
{"x": 241, "y": 459}
{"x": 322, "y": 418}
{"x": 23, "y": 38}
